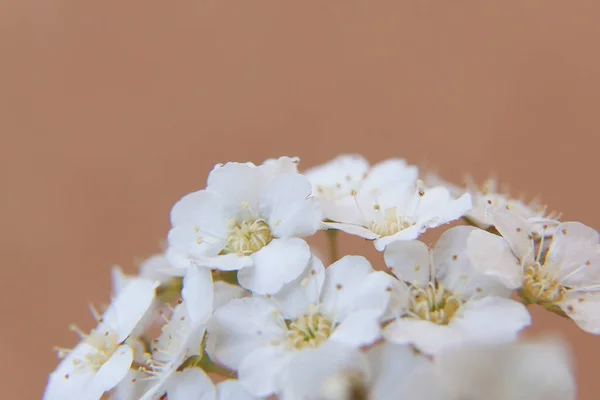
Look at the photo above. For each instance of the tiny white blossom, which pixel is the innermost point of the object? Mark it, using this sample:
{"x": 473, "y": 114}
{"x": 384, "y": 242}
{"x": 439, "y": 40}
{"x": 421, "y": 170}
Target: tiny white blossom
{"x": 539, "y": 370}
{"x": 488, "y": 197}
{"x": 337, "y": 182}
{"x": 259, "y": 336}
{"x": 183, "y": 336}
{"x": 250, "y": 218}
{"x": 563, "y": 277}
{"x": 533, "y": 370}
{"x": 401, "y": 211}
{"x": 445, "y": 301}
{"x": 338, "y": 372}
{"x": 103, "y": 358}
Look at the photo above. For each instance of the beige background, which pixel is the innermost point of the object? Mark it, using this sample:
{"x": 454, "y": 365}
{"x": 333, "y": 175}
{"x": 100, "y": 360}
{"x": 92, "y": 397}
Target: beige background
{"x": 111, "y": 110}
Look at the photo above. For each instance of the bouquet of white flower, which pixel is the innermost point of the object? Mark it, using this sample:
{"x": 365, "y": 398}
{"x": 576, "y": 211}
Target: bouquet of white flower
{"x": 240, "y": 293}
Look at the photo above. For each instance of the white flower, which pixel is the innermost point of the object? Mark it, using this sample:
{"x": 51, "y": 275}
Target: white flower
{"x": 536, "y": 370}
{"x": 193, "y": 383}
{"x": 400, "y": 212}
{"x": 488, "y": 197}
{"x": 183, "y": 336}
{"x": 337, "y": 182}
{"x": 103, "y": 358}
{"x": 446, "y": 301}
{"x": 539, "y": 370}
{"x": 386, "y": 371}
{"x": 248, "y": 216}
{"x": 563, "y": 277}
{"x": 259, "y": 336}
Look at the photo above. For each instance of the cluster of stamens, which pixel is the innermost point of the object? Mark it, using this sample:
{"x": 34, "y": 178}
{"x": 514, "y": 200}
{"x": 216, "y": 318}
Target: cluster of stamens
{"x": 248, "y": 237}
{"x": 541, "y": 287}
{"x": 391, "y": 223}
{"x": 310, "y": 330}
{"x": 433, "y": 303}
{"x": 103, "y": 343}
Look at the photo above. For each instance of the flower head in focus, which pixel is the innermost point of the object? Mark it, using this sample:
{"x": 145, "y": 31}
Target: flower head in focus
{"x": 488, "y": 196}
{"x": 250, "y": 217}
{"x": 560, "y": 273}
{"x": 103, "y": 357}
{"x": 443, "y": 301}
{"x": 259, "y": 336}
{"x": 395, "y": 206}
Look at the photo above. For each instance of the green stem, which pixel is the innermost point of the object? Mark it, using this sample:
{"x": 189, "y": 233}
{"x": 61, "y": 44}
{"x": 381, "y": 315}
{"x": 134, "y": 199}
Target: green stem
{"x": 209, "y": 366}
{"x": 333, "y": 245}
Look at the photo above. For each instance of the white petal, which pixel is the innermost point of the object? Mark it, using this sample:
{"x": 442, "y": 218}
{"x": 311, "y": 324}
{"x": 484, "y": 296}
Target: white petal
{"x": 132, "y": 387}
{"x": 70, "y": 381}
{"x": 400, "y": 373}
{"x": 584, "y": 309}
{"x": 232, "y": 390}
{"x": 352, "y": 230}
{"x": 197, "y": 294}
{"x": 490, "y": 319}
{"x": 129, "y": 307}
{"x": 492, "y": 255}
{"x": 289, "y": 210}
{"x": 351, "y": 284}
{"x": 516, "y": 231}
{"x": 186, "y": 242}
{"x": 409, "y": 261}
{"x": 191, "y": 384}
{"x": 238, "y": 184}
{"x": 314, "y": 372}
{"x": 426, "y": 336}
{"x": 115, "y": 369}
{"x": 201, "y": 211}
{"x": 516, "y": 371}
{"x": 241, "y": 326}
{"x": 390, "y": 172}
{"x": 455, "y": 269}
{"x": 295, "y": 297}
{"x": 441, "y": 209}
{"x": 157, "y": 267}
{"x": 575, "y": 249}
{"x": 225, "y": 292}
{"x": 281, "y": 165}
{"x": 276, "y": 264}
{"x": 359, "y": 328}
{"x": 410, "y": 233}
{"x": 227, "y": 262}
{"x": 259, "y": 371}
{"x": 343, "y": 168}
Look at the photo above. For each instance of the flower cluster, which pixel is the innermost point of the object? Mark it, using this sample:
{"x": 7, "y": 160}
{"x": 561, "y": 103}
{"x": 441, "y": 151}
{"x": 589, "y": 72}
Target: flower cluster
{"x": 240, "y": 294}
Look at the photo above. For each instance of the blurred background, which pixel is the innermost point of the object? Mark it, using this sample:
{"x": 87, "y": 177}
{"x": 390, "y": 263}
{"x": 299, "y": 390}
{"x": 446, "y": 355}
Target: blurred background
{"x": 112, "y": 110}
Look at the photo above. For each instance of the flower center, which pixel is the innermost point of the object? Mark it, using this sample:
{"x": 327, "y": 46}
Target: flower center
{"x": 103, "y": 343}
{"x": 391, "y": 223}
{"x": 541, "y": 287}
{"x": 248, "y": 237}
{"x": 309, "y": 330}
{"x": 433, "y": 303}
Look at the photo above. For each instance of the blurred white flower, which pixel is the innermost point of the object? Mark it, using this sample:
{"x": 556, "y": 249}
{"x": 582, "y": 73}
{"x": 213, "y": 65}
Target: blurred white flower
{"x": 386, "y": 371}
{"x": 538, "y": 370}
{"x": 488, "y": 197}
{"x": 103, "y": 358}
{"x": 337, "y": 182}
{"x": 563, "y": 277}
{"x": 445, "y": 301}
{"x": 248, "y": 216}
{"x": 534, "y": 370}
{"x": 257, "y": 338}
{"x": 182, "y": 336}
{"x": 400, "y": 212}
